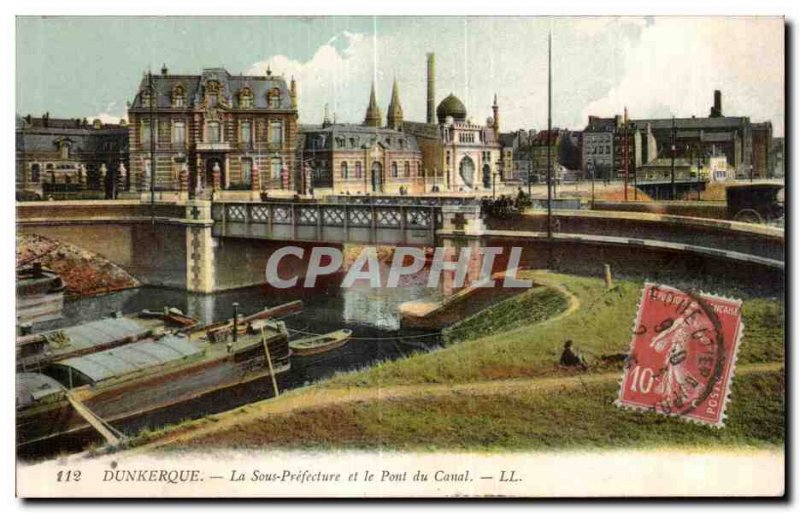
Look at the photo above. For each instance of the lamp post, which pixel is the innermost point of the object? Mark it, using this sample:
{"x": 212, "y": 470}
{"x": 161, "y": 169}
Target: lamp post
{"x": 591, "y": 174}
{"x": 235, "y": 322}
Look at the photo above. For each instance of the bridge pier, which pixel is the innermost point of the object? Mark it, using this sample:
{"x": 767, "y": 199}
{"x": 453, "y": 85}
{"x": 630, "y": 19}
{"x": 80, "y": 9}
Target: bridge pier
{"x": 200, "y": 244}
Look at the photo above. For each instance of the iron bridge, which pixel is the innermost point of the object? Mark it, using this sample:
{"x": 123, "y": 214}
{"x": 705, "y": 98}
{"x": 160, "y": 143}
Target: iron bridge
{"x": 368, "y": 223}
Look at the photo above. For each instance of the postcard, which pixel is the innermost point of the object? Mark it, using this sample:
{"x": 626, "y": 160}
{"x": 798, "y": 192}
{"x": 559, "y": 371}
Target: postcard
{"x": 400, "y": 257}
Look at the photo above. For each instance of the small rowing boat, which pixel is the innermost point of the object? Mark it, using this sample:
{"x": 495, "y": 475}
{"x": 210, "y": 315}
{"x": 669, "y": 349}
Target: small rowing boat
{"x": 320, "y": 343}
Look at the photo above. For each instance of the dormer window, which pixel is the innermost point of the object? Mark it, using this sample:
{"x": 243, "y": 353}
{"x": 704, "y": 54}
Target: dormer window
{"x": 212, "y": 93}
{"x": 178, "y": 96}
{"x": 63, "y": 149}
{"x": 147, "y": 98}
{"x": 246, "y": 98}
{"x": 274, "y": 98}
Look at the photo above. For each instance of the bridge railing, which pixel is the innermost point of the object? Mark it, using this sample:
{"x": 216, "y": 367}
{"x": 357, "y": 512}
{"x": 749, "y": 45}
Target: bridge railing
{"x": 403, "y": 217}
{"x": 430, "y": 201}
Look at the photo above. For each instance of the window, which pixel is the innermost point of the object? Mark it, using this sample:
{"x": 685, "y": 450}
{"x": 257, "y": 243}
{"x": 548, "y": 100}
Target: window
{"x": 144, "y": 131}
{"x": 63, "y": 148}
{"x": 178, "y": 96}
{"x": 179, "y": 133}
{"x": 394, "y": 169}
{"x": 36, "y": 170}
{"x": 246, "y": 133}
{"x": 275, "y": 169}
{"x": 358, "y": 169}
{"x": 419, "y": 169}
{"x": 407, "y": 170}
{"x": 247, "y": 170}
{"x": 212, "y": 100}
{"x": 213, "y": 132}
{"x": 344, "y": 170}
{"x": 276, "y": 132}
{"x": 246, "y": 98}
{"x": 274, "y": 98}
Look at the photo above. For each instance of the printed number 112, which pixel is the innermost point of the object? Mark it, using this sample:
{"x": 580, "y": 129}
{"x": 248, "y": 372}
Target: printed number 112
{"x": 69, "y": 475}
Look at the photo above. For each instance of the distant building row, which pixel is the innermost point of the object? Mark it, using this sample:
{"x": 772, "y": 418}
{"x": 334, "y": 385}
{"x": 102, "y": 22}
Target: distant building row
{"x": 221, "y": 132}
{"x": 605, "y": 144}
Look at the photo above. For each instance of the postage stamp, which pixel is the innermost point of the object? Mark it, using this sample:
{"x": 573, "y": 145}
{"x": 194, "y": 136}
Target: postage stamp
{"x": 683, "y": 354}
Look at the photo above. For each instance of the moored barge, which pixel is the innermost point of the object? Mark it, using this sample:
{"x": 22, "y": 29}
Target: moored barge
{"x": 126, "y": 383}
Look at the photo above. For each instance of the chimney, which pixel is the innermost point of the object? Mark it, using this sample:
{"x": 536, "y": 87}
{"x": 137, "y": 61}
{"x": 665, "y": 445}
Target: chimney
{"x": 164, "y": 69}
{"x": 716, "y": 110}
{"x": 431, "y": 89}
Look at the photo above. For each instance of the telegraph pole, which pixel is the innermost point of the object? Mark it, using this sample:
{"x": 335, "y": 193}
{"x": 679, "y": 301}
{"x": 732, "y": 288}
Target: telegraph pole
{"x": 153, "y": 98}
{"x": 549, "y": 123}
{"x": 672, "y": 167}
{"x": 625, "y": 151}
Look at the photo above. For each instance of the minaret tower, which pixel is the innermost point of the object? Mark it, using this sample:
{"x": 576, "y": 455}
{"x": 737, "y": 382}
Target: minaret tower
{"x": 326, "y": 120}
{"x": 373, "y": 117}
{"x": 431, "y": 100}
{"x": 394, "y": 117}
{"x": 496, "y": 114}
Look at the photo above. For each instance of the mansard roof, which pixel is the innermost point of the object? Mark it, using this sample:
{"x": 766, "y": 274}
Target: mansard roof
{"x": 230, "y": 86}
{"x": 356, "y": 137}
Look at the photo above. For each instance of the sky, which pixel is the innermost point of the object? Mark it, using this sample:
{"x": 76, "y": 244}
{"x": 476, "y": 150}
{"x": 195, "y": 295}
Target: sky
{"x": 655, "y": 66}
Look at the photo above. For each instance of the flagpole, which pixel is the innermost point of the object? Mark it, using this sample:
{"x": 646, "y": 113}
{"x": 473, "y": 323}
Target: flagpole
{"x": 549, "y": 128}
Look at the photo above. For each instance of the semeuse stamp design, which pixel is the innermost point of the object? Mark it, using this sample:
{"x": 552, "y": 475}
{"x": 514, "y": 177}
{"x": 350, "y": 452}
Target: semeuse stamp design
{"x": 682, "y": 355}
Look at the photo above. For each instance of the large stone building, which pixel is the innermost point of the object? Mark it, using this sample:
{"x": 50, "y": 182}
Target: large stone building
{"x": 69, "y": 157}
{"x": 368, "y": 158}
{"x": 598, "y": 147}
{"x": 214, "y": 131}
{"x": 743, "y": 143}
{"x": 458, "y": 153}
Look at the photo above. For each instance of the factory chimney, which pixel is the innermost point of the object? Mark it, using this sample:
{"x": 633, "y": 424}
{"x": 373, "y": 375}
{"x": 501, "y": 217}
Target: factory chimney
{"x": 716, "y": 110}
{"x": 431, "y": 89}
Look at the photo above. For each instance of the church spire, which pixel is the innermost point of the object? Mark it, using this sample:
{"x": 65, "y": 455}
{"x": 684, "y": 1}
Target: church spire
{"x": 394, "y": 118}
{"x": 373, "y": 117}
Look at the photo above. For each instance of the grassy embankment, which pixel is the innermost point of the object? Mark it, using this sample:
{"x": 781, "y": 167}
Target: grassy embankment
{"x": 504, "y": 391}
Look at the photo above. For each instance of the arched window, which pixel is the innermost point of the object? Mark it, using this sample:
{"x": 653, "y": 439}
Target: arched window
{"x": 344, "y": 171}
{"x": 407, "y": 170}
{"x": 178, "y": 96}
{"x": 245, "y": 98}
{"x": 394, "y": 169}
{"x": 274, "y": 98}
{"x": 358, "y": 169}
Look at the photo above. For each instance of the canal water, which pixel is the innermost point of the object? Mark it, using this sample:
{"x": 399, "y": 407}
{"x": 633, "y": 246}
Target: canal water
{"x": 371, "y": 313}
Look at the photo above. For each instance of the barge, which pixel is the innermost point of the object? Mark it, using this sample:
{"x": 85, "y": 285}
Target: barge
{"x": 125, "y": 384}
{"x": 40, "y": 295}
{"x": 38, "y": 350}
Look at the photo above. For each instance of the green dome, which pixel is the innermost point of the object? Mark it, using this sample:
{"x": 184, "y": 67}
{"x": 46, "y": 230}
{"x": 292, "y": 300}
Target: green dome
{"x": 451, "y": 106}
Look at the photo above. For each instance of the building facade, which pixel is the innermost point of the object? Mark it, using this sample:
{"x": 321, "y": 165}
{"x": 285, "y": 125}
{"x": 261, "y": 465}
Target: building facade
{"x": 214, "y": 131}
{"x": 458, "y": 153}
{"x": 597, "y": 150}
{"x": 60, "y": 157}
{"x": 362, "y": 159}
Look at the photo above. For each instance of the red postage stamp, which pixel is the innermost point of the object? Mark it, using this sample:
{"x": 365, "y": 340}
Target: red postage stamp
{"x": 682, "y": 355}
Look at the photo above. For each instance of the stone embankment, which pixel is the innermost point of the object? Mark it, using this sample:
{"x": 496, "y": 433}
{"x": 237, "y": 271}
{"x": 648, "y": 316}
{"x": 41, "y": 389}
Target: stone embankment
{"x": 84, "y": 273}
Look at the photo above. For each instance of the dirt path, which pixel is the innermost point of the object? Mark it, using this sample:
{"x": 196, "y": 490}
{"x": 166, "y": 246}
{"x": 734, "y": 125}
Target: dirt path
{"x": 315, "y": 398}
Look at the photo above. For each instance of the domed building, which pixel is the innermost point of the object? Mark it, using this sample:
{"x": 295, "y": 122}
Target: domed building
{"x": 451, "y": 107}
{"x": 458, "y": 154}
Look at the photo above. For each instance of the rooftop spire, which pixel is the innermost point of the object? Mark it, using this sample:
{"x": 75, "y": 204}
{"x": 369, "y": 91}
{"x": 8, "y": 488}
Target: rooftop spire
{"x": 394, "y": 118}
{"x": 373, "y": 116}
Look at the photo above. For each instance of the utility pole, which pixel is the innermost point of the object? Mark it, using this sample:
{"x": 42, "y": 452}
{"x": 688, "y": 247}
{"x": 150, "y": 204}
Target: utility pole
{"x": 153, "y": 98}
{"x": 549, "y": 123}
{"x": 674, "y": 193}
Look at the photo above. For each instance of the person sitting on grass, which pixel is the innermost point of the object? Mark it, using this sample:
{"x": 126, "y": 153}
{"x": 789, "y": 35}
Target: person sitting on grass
{"x": 572, "y": 357}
